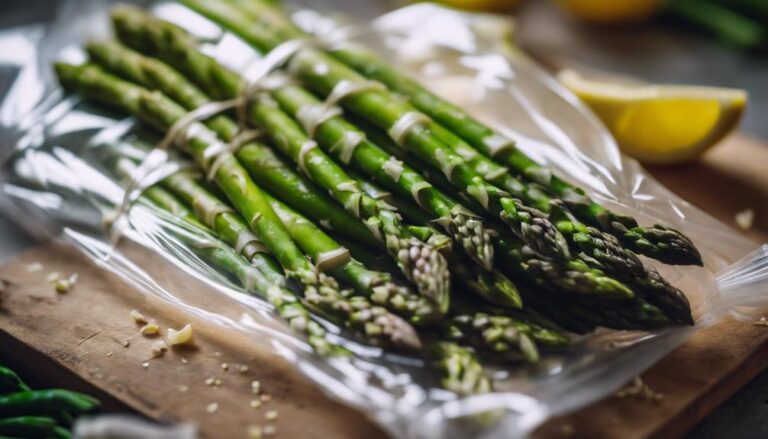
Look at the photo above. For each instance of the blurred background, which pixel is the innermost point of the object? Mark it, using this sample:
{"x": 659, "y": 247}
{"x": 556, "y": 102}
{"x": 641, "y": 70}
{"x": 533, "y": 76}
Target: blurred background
{"x": 720, "y": 43}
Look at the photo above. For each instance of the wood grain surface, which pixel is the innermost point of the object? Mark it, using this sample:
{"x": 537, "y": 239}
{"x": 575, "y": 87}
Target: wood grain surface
{"x": 76, "y": 339}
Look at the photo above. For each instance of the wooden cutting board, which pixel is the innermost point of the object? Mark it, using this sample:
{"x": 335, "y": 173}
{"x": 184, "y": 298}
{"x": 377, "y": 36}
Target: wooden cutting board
{"x": 77, "y": 340}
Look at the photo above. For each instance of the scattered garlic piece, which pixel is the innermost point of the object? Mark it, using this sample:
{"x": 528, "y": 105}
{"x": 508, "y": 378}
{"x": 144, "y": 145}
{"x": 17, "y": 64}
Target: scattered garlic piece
{"x": 255, "y": 387}
{"x": 181, "y": 337}
{"x": 254, "y": 432}
{"x": 224, "y": 367}
{"x": 745, "y": 218}
{"x": 34, "y": 267}
{"x": 109, "y": 354}
{"x": 64, "y": 285}
{"x": 762, "y": 322}
{"x": 270, "y": 430}
{"x": 271, "y": 415}
{"x": 138, "y": 317}
{"x": 126, "y": 343}
{"x": 150, "y": 328}
{"x": 159, "y": 350}
{"x": 145, "y": 364}
{"x": 255, "y": 404}
{"x": 183, "y": 388}
{"x": 53, "y": 276}
{"x": 242, "y": 368}
{"x": 212, "y": 407}
{"x": 266, "y": 398}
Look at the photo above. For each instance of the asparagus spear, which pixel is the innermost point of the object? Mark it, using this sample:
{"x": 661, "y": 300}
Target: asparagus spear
{"x": 419, "y": 261}
{"x": 373, "y": 323}
{"x": 379, "y": 106}
{"x": 585, "y": 275}
{"x": 462, "y": 371}
{"x": 369, "y": 159}
{"x": 492, "y": 285}
{"x": 501, "y": 336}
{"x": 377, "y": 285}
{"x": 657, "y": 241}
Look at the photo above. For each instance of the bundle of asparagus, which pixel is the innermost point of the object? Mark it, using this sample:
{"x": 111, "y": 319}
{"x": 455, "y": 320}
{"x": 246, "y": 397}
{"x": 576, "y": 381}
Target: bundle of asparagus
{"x": 304, "y": 205}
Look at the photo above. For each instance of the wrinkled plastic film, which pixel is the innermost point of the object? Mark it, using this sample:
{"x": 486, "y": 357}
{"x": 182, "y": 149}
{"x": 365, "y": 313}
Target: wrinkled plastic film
{"x": 55, "y": 183}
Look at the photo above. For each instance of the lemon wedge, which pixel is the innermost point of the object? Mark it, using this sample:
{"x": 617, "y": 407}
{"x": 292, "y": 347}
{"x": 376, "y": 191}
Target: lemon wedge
{"x": 660, "y": 124}
{"x": 482, "y": 5}
{"x": 611, "y": 11}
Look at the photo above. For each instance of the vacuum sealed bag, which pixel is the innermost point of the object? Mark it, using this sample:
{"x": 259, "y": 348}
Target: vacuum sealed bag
{"x": 61, "y": 180}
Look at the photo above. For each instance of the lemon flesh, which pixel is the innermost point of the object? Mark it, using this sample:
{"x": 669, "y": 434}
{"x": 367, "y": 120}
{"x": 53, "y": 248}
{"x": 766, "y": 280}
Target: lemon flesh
{"x": 660, "y": 124}
{"x": 611, "y": 11}
{"x": 482, "y": 5}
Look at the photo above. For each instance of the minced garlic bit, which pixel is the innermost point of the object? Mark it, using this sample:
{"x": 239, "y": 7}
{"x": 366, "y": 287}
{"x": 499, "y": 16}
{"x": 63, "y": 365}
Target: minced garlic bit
{"x": 224, "y": 367}
{"x": 639, "y": 389}
{"x": 745, "y": 218}
{"x": 138, "y": 317}
{"x": 242, "y": 368}
{"x": 213, "y": 382}
{"x": 254, "y": 432}
{"x": 266, "y": 398}
{"x": 183, "y": 388}
{"x": 270, "y": 430}
{"x": 34, "y": 267}
{"x": 271, "y": 415}
{"x": 255, "y": 387}
{"x": 145, "y": 364}
{"x": 762, "y": 322}
{"x": 109, "y": 354}
{"x": 183, "y": 360}
{"x": 255, "y": 404}
{"x": 212, "y": 407}
{"x": 64, "y": 285}
{"x": 159, "y": 350}
{"x": 181, "y": 337}
{"x": 126, "y": 343}
{"x": 150, "y": 328}
{"x": 53, "y": 276}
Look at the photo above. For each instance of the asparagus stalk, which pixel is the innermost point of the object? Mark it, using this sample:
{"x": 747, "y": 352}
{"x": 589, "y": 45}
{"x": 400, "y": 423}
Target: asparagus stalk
{"x": 585, "y": 275}
{"x": 492, "y": 285}
{"x": 369, "y": 159}
{"x": 419, "y": 261}
{"x": 462, "y": 371}
{"x": 657, "y": 241}
{"x": 379, "y": 107}
{"x": 376, "y": 285}
{"x": 369, "y": 322}
{"x": 500, "y": 336}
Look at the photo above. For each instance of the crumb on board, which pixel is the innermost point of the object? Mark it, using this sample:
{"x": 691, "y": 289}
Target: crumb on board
{"x": 180, "y": 337}
{"x": 126, "y": 343}
{"x": 762, "y": 322}
{"x": 224, "y": 367}
{"x": 64, "y": 285}
{"x": 109, "y": 354}
{"x": 255, "y": 403}
{"x": 255, "y": 387}
{"x": 266, "y": 398}
{"x": 254, "y": 432}
{"x": 138, "y": 317}
{"x": 183, "y": 388}
{"x": 271, "y": 415}
{"x": 638, "y": 388}
{"x": 745, "y": 219}
{"x": 242, "y": 368}
{"x": 145, "y": 364}
{"x": 212, "y": 407}
{"x": 34, "y": 267}
{"x": 150, "y": 329}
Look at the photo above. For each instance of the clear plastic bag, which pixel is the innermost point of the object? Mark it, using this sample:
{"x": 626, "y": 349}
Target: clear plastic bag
{"x": 53, "y": 184}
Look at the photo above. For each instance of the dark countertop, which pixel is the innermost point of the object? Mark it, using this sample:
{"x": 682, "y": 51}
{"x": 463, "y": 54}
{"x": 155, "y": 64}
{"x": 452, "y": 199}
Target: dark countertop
{"x": 655, "y": 52}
